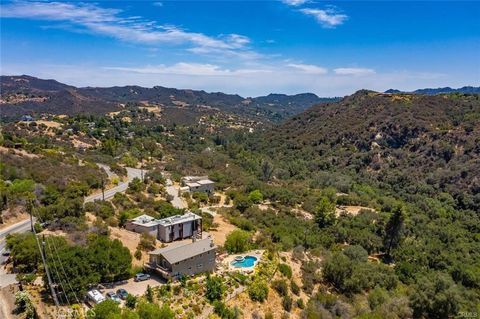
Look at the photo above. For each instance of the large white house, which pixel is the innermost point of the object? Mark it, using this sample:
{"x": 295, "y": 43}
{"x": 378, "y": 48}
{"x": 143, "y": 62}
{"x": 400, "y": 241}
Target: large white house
{"x": 168, "y": 229}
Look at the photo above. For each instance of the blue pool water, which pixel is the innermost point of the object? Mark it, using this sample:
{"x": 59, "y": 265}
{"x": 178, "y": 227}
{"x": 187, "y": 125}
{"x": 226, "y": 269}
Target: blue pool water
{"x": 248, "y": 261}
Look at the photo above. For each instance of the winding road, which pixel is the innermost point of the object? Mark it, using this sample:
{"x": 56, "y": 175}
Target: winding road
{"x": 173, "y": 190}
{"x": 20, "y": 227}
{"x": 121, "y": 187}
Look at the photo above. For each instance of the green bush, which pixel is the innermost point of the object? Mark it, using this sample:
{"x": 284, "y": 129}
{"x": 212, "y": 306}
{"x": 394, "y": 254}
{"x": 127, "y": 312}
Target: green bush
{"x": 285, "y": 270}
{"x": 295, "y": 288}
{"x": 238, "y": 241}
{"x": 215, "y": 288}
{"x": 287, "y": 303}
{"x": 258, "y": 289}
{"x": 281, "y": 287}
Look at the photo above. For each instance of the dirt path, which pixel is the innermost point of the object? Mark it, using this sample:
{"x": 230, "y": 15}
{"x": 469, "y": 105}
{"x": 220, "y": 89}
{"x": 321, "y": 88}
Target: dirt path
{"x": 7, "y": 303}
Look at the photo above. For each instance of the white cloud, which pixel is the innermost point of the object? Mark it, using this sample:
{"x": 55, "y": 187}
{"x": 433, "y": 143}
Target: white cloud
{"x": 184, "y": 68}
{"x": 308, "y": 68}
{"x": 260, "y": 80}
{"x": 158, "y": 4}
{"x": 295, "y": 3}
{"x": 328, "y": 18}
{"x": 109, "y": 22}
{"x": 354, "y": 71}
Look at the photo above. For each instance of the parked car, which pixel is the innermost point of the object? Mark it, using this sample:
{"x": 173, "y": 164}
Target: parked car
{"x": 95, "y": 296}
{"x": 113, "y": 296}
{"x": 122, "y": 293}
{"x": 141, "y": 277}
{"x": 6, "y": 253}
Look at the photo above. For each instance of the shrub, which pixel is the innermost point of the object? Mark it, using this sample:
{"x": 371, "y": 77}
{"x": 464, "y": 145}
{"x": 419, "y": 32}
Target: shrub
{"x": 258, "y": 289}
{"x": 255, "y": 196}
{"x": 285, "y": 270}
{"x": 356, "y": 253}
{"x": 25, "y": 305}
{"x": 295, "y": 288}
{"x": 287, "y": 303}
{"x": 377, "y": 297}
{"x": 215, "y": 288}
{"x": 281, "y": 287}
{"x": 238, "y": 241}
{"x": 147, "y": 242}
{"x": 131, "y": 301}
{"x": 300, "y": 303}
{"x": 138, "y": 254}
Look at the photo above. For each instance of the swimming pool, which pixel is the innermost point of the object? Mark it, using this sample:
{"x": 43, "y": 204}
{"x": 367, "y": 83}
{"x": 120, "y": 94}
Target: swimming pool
{"x": 244, "y": 262}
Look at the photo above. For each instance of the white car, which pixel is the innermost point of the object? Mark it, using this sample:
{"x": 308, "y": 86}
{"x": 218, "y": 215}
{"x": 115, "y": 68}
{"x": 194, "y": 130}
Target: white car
{"x": 95, "y": 296}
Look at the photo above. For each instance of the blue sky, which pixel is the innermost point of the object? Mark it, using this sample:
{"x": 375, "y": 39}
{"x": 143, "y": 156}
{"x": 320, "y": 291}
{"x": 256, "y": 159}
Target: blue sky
{"x": 246, "y": 47}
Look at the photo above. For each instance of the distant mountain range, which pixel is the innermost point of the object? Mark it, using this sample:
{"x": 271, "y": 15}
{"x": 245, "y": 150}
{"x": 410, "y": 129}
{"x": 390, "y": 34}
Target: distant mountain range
{"x": 30, "y": 95}
{"x": 431, "y": 91}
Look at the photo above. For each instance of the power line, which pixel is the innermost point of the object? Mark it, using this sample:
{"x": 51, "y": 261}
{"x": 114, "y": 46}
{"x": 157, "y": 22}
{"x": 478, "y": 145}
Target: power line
{"x": 49, "y": 278}
{"x": 56, "y": 271}
{"x": 65, "y": 274}
{"x": 61, "y": 266}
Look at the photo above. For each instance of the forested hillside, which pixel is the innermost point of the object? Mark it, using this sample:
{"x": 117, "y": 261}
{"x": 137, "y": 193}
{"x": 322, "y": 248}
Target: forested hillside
{"x": 404, "y": 143}
{"x": 367, "y": 207}
{"x": 29, "y": 95}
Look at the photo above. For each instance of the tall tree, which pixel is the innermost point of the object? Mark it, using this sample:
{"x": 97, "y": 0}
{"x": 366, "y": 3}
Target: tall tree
{"x": 267, "y": 171}
{"x": 394, "y": 229}
{"x": 325, "y": 212}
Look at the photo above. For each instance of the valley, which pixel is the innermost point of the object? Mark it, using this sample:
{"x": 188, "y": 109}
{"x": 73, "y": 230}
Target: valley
{"x": 357, "y": 208}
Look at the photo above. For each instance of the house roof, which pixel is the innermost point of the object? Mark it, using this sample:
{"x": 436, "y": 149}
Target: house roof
{"x": 193, "y": 178}
{"x": 149, "y": 221}
{"x": 205, "y": 182}
{"x": 178, "y": 219}
{"x": 192, "y": 184}
{"x": 144, "y": 220}
{"x": 174, "y": 254}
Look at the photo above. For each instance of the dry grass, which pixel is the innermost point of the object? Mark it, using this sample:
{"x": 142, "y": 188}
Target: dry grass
{"x": 18, "y": 152}
{"x": 49, "y": 124}
{"x": 220, "y": 233}
{"x": 351, "y": 210}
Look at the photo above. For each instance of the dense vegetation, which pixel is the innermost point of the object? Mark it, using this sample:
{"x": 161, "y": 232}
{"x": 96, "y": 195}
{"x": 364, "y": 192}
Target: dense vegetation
{"x": 411, "y": 162}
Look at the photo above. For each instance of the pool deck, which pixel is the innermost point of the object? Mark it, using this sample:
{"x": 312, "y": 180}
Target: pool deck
{"x": 227, "y": 262}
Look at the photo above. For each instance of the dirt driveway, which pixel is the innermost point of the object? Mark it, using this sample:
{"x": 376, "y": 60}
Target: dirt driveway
{"x": 137, "y": 288}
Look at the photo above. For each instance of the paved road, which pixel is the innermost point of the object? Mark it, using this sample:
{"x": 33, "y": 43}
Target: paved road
{"x": 20, "y": 227}
{"x": 121, "y": 187}
{"x": 172, "y": 190}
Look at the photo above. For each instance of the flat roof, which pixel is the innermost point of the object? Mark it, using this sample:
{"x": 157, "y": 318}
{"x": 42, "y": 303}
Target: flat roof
{"x": 194, "y": 178}
{"x": 178, "y": 219}
{"x": 144, "y": 220}
{"x": 182, "y": 252}
{"x": 149, "y": 221}
{"x": 205, "y": 182}
{"x": 192, "y": 184}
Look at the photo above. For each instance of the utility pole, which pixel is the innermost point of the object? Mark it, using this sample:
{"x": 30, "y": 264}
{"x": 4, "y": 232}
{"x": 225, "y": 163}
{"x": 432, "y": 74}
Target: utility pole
{"x": 29, "y": 209}
{"x": 103, "y": 189}
{"x": 47, "y": 271}
{"x": 54, "y": 295}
